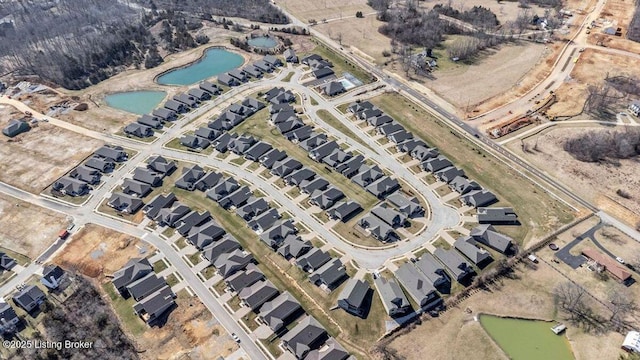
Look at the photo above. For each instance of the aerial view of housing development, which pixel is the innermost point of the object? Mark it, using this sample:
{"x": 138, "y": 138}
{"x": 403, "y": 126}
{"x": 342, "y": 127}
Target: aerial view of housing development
{"x": 320, "y": 179}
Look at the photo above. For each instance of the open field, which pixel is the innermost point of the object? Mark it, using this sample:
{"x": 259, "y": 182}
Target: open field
{"x": 596, "y": 182}
{"x": 538, "y": 212}
{"x": 306, "y": 10}
{"x": 96, "y": 251}
{"x": 28, "y": 229}
{"x": 455, "y": 334}
{"x": 33, "y": 160}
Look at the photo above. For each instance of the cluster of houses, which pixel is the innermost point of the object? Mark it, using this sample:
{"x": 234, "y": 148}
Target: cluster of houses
{"x": 320, "y": 67}
{"x": 255, "y": 70}
{"x": 181, "y": 103}
{"x": 153, "y": 296}
{"x": 81, "y": 179}
{"x": 16, "y": 127}
{"x": 382, "y": 220}
{"x": 29, "y": 298}
{"x": 471, "y": 193}
{"x": 216, "y": 132}
{"x": 140, "y": 184}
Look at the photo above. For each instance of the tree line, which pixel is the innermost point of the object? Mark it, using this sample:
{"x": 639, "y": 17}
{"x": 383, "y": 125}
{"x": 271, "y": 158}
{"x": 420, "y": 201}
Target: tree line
{"x": 604, "y": 145}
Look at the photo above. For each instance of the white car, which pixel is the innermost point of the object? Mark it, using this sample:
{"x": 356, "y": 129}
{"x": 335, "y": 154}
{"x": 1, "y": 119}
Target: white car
{"x": 620, "y": 260}
{"x": 235, "y": 337}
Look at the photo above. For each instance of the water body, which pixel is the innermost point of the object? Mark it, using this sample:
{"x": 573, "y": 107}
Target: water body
{"x": 265, "y": 42}
{"x": 524, "y": 339}
{"x": 214, "y": 61}
{"x": 137, "y": 102}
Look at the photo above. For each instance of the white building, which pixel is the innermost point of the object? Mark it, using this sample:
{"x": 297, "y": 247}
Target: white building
{"x": 631, "y": 342}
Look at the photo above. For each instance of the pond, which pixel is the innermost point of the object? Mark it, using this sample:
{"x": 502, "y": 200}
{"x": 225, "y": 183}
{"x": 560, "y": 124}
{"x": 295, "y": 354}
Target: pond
{"x": 523, "y": 339}
{"x": 214, "y": 61}
{"x": 137, "y": 102}
{"x": 266, "y": 42}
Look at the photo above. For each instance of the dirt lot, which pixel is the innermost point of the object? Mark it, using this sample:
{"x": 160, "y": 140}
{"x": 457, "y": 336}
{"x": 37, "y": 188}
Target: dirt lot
{"x": 26, "y": 228}
{"x": 306, "y": 10}
{"x": 361, "y": 36}
{"x": 592, "y": 68}
{"x": 506, "y": 11}
{"x": 618, "y": 12}
{"x": 33, "y": 160}
{"x": 596, "y": 182}
{"x": 528, "y": 296}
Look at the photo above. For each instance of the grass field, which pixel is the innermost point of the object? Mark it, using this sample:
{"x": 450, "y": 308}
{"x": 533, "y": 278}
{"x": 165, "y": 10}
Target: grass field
{"x": 338, "y": 125}
{"x": 124, "y": 308}
{"x": 340, "y": 64}
{"x": 539, "y": 212}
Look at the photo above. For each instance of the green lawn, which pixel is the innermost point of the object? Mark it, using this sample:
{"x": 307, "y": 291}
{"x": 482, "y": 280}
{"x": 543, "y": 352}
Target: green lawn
{"x": 124, "y": 309}
{"x": 209, "y": 272}
{"x": 172, "y": 280}
{"x": 541, "y": 212}
{"x": 234, "y": 303}
{"x": 159, "y": 265}
{"x": 288, "y": 77}
{"x": 314, "y": 102}
{"x": 441, "y": 243}
{"x": 338, "y": 125}
{"x": 253, "y": 166}
{"x": 175, "y": 144}
{"x": 181, "y": 243}
{"x": 220, "y": 286}
{"x": 250, "y": 320}
{"x": 195, "y": 258}
{"x": 238, "y": 161}
{"x": 19, "y": 258}
{"x": 348, "y": 231}
{"x": 272, "y": 345}
{"x": 294, "y": 193}
{"x": 168, "y": 232}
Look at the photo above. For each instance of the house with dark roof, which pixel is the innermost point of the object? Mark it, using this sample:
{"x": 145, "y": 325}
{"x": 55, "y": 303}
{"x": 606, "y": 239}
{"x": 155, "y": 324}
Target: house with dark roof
{"x": 222, "y": 189}
{"x": 329, "y": 275}
{"x": 276, "y": 108}
{"x": 199, "y": 94}
{"x": 241, "y": 144}
{"x": 353, "y": 298}
{"x": 145, "y": 286}
{"x": 133, "y": 270}
{"x": 497, "y": 216}
{"x": 378, "y": 120}
{"x": 337, "y": 157}
{"x": 289, "y": 125}
{"x": 236, "y": 198}
{"x": 271, "y": 157}
{"x": 227, "y": 80}
{"x": 448, "y": 174}
{"x": 311, "y": 185}
{"x": 478, "y": 198}
{"x": 238, "y": 75}
{"x": 327, "y": 198}
{"x": 280, "y": 311}
{"x": 222, "y": 142}
{"x": 205, "y": 234}
{"x": 331, "y": 350}
{"x": 150, "y": 121}
{"x": 487, "y": 235}
{"x": 15, "y": 128}
{"x": 462, "y": 185}
{"x": 71, "y": 187}
{"x": 245, "y": 278}
{"x": 293, "y": 247}
{"x": 313, "y": 142}
{"x": 345, "y": 210}
{"x": 138, "y": 130}
{"x": 86, "y": 174}
{"x": 212, "y": 89}
{"x": 194, "y": 142}
{"x": 370, "y": 114}
{"x": 297, "y": 177}
{"x": 423, "y": 153}
{"x": 161, "y": 165}
{"x": 229, "y": 263}
{"x": 253, "y": 207}
{"x": 409, "y": 145}
{"x": 189, "y": 101}
{"x": 333, "y": 88}
{"x": 225, "y": 245}
{"x": 378, "y": 228}
{"x": 272, "y": 60}
{"x": 400, "y": 137}
{"x": 290, "y": 56}
{"x": 359, "y": 106}
{"x": 152, "y": 209}
{"x": 264, "y": 221}
{"x": 323, "y": 150}
{"x": 256, "y": 295}
{"x": 6, "y": 262}
{"x": 383, "y": 187}
{"x": 207, "y": 133}
{"x": 252, "y": 71}
{"x": 351, "y": 167}
{"x": 100, "y": 164}
{"x": 389, "y": 128}
{"x": 176, "y": 106}
{"x": 299, "y": 134}
{"x": 285, "y": 166}
{"x": 410, "y": 207}
{"x": 147, "y": 176}
{"x": 312, "y": 260}
{"x": 189, "y": 178}
{"x": 275, "y": 235}
{"x": 308, "y": 335}
{"x": 135, "y": 188}
{"x": 154, "y": 305}
{"x": 417, "y": 286}
{"x": 191, "y": 220}
{"x": 257, "y": 150}
{"x": 367, "y": 175}
{"x": 323, "y": 72}
{"x": 113, "y": 153}
{"x": 125, "y": 203}
{"x": 8, "y": 319}
{"x": 390, "y": 216}
{"x": 169, "y": 216}
{"x": 434, "y": 271}
{"x": 467, "y": 246}
{"x": 435, "y": 164}
{"x": 262, "y": 66}
{"x": 455, "y": 264}
{"x": 164, "y": 114}
{"x": 282, "y": 116}
{"x": 29, "y": 298}
{"x": 52, "y": 276}
{"x": 393, "y": 299}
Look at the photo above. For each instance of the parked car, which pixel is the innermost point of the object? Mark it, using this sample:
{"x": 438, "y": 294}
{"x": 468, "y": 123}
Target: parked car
{"x": 619, "y": 259}
{"x": 235, "y": 337}
{"x": 553, "y": 247}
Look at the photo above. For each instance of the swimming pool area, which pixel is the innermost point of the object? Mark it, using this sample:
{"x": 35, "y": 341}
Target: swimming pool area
{"x": 136, "y": 102}
{"x": 348, "y": 85}
{"x": 214, "y": 61}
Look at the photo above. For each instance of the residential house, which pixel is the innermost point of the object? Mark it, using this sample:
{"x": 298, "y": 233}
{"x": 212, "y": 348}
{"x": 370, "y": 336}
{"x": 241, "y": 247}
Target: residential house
{"x": 290, "y": 56}
{"x": 293, "y": 247}
{"x": 191, "y": 220}
{"x": 410, "y": 207}
{"x": 391, "y": 217}
{"x": 101, "y": 164}
{"x": 359, "y": 106}
{"x": 194, "y": 142}
{"x": 333, "y": 88}
{"x": 252, "y": 71}
{"x": 52, "y": 276}
{"x": 145, "y": 286}
{"x": 605, "y": 262}
{"x": 208, "y": 181}
{"x": 280, "y": 311}
{"x": 176, "y": 106}
{"x": 337, "y": 157}
{"x": 253, "y": 207}
{"x": 229, "y": 263}
{"x": 308, "y": 335}
{"x": 327, "y": 198}
{"x": 448, "y": 174}
{"x": 312, "y": 260}
{"x": 150, "y": 121}
{"x": 434, "y": 271}
{"x": 282, "y": 116}
{"x": 86, "y": 174}
{"x": 241, "y": 144}
{"x": 227, "y": 80}
{"x": 389, "y": 128}
{"x": 225, "y": 245}
{"x": 238, "y": 75}
{"x": 313, "y": 142}
{"x": 276, "y": 108}
{"x": 345, "y": 211}
{"x": 370, "y": 114}
{"x": 222, "y": 189}
{"x": 487, "y": 235}
{"x": 199, "y": 94}
{"x": 133, "y": 270}
{"x": 323, "y": 150}
{"x": 323, "y": 72}
{"x": 417, "y": 286}
{"x": 378, "y": 228}
{"x": 497, "y": 216}
{"x": 205, "y": 234}
{"x": 262, "y": 66}
{"x": 125, "y": 203}
{"x": 289, "y": 125}
{"x": 256, "y": 295}
{"x": 316, "y": 184}
{"x": 147, "y": 176}
{"x": 462, "y": 185}
{"x": 285, "y": 167}
{"x": 6, "y": 262}
{"x": 207, "y": 133}
{"x": 393, "y": 299}
{"x": 436, "y": 164}
{"x": 71, "y": 187}
{"x": 222, "y": 142}
{"x": 383, "y": 187}
{"x": 353, "y": 298}
{"x": 299, "y": 134}
{"x": 367, "y": 175}
{"x": 112, "y": 153}
{"x": 138, "y": 130}
{"x": 152, "y": 307}
{"x": 329, "y": 275}
{"x": 170, "y": 216}
{"x": 634, "y": 108}
{"x": 467, "y": 246}
{"x": 15, "y": 128}
{"x": 212, "y": 89}
{"x": 400, "y": 137}
{"x": 189, "y": 101}
{"x": 455, "y": 264}
{"x": 164, "y": 114}
{"x": 161, "y": 165}
{"x": 297, "y": 177}
{"x": 8, "y": 319}
{"x": 478, "y": 198}
{"x": 135, "y": 188}
{"x": 189, "y": 178}
{"x": 29, "y": 298}
{"x": 409, "y": 145}
{"x": 275, "y": 235}
{"x": 272, "y": 60}
{"x": 331, "y": 350}
{"x": 236, "y": 199}
{"x": 351, "y": 167}
{"x": 379, "y": 120}
{"x": 264, "y": 221}
{"x": 424, "y": 153}
{"x": 152, "y": 209}
{"x": 243, "y": 279}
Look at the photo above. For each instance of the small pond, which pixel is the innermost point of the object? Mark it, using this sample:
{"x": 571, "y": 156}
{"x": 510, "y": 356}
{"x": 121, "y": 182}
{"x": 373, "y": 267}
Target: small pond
{"x": 265, "y": 42}
{"x": 214, "y": 61}
{"x": 137, "y": 102}
{"x": 524, "y": 339}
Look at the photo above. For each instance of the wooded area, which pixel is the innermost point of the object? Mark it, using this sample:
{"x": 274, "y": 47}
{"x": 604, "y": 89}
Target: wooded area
{"x": 76, "y": 43}
{"x": 605, "y": 145}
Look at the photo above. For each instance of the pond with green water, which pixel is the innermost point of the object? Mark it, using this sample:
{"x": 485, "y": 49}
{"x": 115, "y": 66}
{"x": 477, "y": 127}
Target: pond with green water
{"x": 137, "y": 102}
{"x": 214, "y": 61}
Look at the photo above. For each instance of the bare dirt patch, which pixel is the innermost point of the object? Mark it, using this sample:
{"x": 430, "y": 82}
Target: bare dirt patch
{"x": 590, "y": 180}
{"x": 318, "y": 10}
{"x": 28, "y": 229}
{"x": 33, "y": 160}
{"x": 360, "y": 35}
{"x": 96, "y": 251}
{"x": 619, "y": 14}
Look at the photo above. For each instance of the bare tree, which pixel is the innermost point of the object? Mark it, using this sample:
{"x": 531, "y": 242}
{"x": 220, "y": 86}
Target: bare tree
{"x": 571, "y": 297}
{"x": 623, "y": 306}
